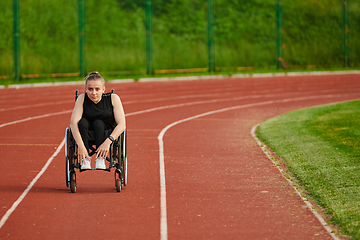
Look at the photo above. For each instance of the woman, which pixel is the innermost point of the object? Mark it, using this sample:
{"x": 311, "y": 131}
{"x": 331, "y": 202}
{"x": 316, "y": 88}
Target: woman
{"x": 97, "y": 111}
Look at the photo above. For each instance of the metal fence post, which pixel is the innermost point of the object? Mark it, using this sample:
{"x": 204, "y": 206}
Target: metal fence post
{"x": 211, "y": 52}
{"x": 82, "y": 46}
{"x": 345, "y": 30}
{"x": 279, "y": 20}
{"x": 148, "y": 36}
{"x": 16, "y": 40}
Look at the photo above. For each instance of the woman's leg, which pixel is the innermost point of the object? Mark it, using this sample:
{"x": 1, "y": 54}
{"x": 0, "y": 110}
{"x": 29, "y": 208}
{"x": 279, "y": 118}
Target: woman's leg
{"x": 84, "y": 126}
{"x": 99, "y": 132}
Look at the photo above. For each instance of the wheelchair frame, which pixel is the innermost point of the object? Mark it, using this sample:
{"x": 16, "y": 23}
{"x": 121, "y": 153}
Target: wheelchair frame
{"x": 117, "y": 159}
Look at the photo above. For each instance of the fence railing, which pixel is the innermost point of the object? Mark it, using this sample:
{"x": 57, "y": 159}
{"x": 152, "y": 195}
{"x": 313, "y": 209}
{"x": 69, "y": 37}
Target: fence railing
{"x": 213, "y": 35}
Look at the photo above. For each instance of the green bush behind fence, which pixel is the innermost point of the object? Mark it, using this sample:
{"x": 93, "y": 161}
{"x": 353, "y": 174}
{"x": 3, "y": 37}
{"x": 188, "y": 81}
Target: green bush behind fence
{"x": 245, "y": 35}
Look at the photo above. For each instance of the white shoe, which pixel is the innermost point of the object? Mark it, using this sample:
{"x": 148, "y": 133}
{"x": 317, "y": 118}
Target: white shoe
{"x": 100, "y": 163}
{"x": 86, "y": 164}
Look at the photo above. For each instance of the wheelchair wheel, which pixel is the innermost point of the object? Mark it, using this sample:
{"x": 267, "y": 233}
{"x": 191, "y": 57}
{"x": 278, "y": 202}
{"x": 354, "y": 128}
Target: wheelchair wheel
{"x": 124, "y": 167}
{"x": 73, "y": 181}
{"x": 124, "y": 159}
{"x": 122, "y": 164}
{"x": 67, "y": 172}
{"x": 67, "y": 157}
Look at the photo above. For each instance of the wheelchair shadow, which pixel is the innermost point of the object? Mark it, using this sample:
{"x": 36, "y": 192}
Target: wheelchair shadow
{"x": 52, "y": 190}
{"x": 104, "y": 189}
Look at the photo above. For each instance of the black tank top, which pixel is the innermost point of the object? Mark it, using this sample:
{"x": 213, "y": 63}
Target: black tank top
{"x": 103, "y": 110}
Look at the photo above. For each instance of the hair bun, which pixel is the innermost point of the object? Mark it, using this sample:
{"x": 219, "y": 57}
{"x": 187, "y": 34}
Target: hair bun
{"x": 93, "y": 76}
{"x": 94, "y": 73}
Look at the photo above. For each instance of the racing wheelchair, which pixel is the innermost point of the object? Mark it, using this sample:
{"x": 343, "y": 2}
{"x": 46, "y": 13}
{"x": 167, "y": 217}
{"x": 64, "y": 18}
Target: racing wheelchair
{"x": 117, "y": 158}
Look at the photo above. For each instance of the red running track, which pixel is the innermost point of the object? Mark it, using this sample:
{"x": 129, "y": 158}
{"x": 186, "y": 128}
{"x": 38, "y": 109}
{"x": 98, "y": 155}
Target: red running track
{"x": 219, "y": 183}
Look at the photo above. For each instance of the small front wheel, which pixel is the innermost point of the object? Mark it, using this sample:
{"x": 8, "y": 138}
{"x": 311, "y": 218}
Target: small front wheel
{"x": 118, "y": 185}
{"x": 73, "y": 181}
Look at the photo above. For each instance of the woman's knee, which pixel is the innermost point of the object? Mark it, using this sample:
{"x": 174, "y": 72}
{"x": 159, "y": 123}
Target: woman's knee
{"x": 98, "y": 124}
{"x": 83, "y": 124}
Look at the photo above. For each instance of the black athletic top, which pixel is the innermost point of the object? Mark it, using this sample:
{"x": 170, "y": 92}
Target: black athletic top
{"x": 102, "y": 110}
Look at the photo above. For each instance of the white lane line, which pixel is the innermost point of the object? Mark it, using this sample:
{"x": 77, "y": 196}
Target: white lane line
{"x": 264, "y": 148}
{"x": 226, "y": 93}
{"x": 36, "y": 117}
{"x": 22, "y": 196}
{"x": 223, "y": 100}
{"x": 163, "y": 205}
{"x": 35, "y": 105}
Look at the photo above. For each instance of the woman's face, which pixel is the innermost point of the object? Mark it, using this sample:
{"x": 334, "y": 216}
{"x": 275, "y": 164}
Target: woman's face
{"x": 95, "y": 89}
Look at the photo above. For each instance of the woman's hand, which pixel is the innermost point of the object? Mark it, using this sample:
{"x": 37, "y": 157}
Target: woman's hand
{"x": 103, "y": 149}
{"x": 83, "y": 153}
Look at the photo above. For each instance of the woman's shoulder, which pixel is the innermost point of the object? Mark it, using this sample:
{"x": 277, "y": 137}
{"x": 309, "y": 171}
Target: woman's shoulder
{"x": 115, "y": 97}
{"x": 79, "y": 102}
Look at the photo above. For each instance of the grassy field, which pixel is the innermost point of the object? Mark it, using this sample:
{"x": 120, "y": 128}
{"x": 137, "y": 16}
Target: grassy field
{"x": 321, "y": 149}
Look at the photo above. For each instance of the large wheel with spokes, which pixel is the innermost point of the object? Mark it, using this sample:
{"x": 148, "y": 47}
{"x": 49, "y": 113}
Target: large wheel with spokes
{"x": 67, "y": 172}
{"x": 67, "y": 157}
{"x": 124, "y": 159}
{"x": 124, "y": 170}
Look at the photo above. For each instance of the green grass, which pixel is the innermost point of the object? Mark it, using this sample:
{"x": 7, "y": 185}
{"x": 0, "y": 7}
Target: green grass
{"x": 321, "y": 148}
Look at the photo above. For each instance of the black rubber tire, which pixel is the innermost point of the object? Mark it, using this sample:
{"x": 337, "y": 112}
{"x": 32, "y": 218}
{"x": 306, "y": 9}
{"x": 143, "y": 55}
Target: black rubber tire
{"x": 67, "y": 163}
{"x": 73, "y": 182}
{"x": 124, "y": 170}
{"x": 120, "y": 160}
{"x": 67, "y": 170}
{"x": 124, "y": 160}
{"x": 118, "y": 185}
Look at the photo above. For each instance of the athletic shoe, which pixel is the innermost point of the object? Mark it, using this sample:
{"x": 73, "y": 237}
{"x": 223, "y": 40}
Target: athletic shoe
{"x": 86, "y": 164}
{"x": 100, "y": 163}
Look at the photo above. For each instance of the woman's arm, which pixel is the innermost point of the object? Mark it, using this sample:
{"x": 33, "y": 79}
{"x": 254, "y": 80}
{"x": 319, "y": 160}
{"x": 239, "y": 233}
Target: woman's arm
{"x": 119, "y": 115}
{"x": 75, "y": 118}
